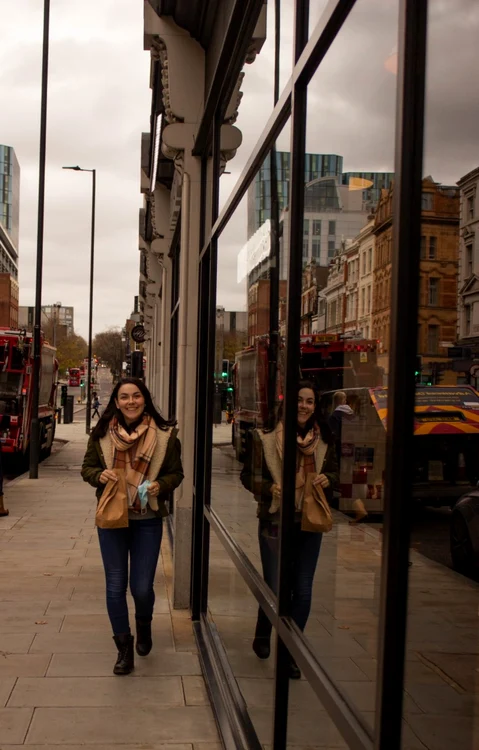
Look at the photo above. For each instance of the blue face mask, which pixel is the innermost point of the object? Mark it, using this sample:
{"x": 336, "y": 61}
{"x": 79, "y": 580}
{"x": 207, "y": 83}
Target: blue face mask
{"x": 142, "y": 493}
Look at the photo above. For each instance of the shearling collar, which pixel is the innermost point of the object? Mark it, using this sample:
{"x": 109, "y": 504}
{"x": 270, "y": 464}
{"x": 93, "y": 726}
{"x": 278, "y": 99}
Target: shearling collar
{"x": 156, "y": 463}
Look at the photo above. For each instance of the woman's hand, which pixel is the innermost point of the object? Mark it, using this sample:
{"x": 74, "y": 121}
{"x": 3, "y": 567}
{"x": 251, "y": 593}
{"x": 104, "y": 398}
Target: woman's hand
{"x": 322, "y": 480}
{"x": 153, "y": 490}
{"x": 106, "y": 475}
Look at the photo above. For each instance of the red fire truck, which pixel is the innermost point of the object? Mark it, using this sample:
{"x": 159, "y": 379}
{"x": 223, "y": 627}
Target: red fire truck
{"x": 16, "y": 373}
{"x": 330, "y": 361}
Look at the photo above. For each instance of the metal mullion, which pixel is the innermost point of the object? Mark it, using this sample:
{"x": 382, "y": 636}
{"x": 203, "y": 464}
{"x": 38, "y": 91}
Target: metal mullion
{"x": 236, "y": 41}
{"x": 293, "y": 325}
{"x": 175, "y": 309}
{"x": 321, "y": 39}
{"x": 401, "y": 392}
{"x": 345, "y": 716}
{"x": 200, "y": 533}
{"x": 210, "y": 308}
{"x": 246, "y": 569}
{"x": 349, "y": 723}
{"x": 273, "y": 128}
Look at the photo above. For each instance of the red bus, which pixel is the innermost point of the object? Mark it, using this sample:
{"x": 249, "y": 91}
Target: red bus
{"x": 74, "y": 377}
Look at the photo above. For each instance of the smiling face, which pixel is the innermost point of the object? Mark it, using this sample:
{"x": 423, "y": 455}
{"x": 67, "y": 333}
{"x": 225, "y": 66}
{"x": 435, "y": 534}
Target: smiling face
{"x": 130, "y": 402}
{"x": 305, "y": 405}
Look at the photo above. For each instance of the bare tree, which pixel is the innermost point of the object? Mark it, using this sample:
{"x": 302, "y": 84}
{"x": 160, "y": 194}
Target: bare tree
{"x": 110, "y": 348}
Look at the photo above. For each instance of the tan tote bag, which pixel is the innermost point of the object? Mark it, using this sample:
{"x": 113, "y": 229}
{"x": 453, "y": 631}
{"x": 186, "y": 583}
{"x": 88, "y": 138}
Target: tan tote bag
{"x": 112, "y": 509}
{"x": 316, "y": 513}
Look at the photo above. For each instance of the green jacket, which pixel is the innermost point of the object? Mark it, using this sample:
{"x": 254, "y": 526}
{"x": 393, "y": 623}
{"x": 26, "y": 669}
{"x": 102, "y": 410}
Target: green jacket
{"x": 165, "y": 467}
{"x": 262, "y": 462}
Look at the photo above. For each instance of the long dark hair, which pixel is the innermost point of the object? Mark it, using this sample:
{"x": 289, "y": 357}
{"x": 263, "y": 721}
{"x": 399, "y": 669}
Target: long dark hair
{"x": 112, "y": 411}
{"x": 316, "y": 417}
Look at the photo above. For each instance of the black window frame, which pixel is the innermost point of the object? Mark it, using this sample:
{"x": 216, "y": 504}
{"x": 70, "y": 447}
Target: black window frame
{"x": 235, "y": 724}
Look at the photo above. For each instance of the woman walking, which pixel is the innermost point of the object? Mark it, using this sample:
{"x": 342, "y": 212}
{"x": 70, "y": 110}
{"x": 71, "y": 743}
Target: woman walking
{"x": 316, "y": 453}
{"x": 133, "y": 436}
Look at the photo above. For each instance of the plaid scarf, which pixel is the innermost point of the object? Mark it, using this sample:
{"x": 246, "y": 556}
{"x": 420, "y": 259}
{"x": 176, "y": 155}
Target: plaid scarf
{"x": 133, "y": 453}
{"x": 304, "y": 458}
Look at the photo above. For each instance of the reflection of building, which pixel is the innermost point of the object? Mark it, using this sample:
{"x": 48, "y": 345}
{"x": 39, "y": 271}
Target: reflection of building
{"x": 314, "y": 280}
{"x": 259, "y": 307}
{"x": 331, "y": 311}
{"x": 370, "y": 184}
{"x": 259, "y": 193}
{"x": 438, "y": 271}
{"x": 333, "y": 214}
{"x": 366, "y": 244}
{"x": 56, "y": 315}
{"x": 468, "y": 274}
{"x": 8, "y": 301}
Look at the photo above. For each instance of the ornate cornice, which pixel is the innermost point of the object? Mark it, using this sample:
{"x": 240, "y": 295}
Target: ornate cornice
{"x": 159, "y": 53}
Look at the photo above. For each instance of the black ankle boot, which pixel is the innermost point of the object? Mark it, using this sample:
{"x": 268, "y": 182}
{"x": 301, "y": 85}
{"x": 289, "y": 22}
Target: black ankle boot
{"x": 125, "y": 662}
{"x": 261, "y": 647}
{"x": 143, "y": 636}
{"x": 294, "y": 670}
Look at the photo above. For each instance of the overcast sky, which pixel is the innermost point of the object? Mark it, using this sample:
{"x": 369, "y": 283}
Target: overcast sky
{"x": 99, "y": 104}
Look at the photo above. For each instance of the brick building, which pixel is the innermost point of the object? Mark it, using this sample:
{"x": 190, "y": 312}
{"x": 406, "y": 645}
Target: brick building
{"x": 259, "y": 306}
{"x": 315, "y": 279}
{"x": 8, "y": 301}
{"x": 438, "y": 273}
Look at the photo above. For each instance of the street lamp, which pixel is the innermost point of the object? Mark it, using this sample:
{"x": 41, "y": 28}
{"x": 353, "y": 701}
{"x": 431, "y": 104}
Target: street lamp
{"x": 90, "y": 322}
{"x": 37, "y": 344}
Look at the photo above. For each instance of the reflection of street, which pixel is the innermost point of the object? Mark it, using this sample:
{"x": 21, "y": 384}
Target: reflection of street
{"x": 343, "y": 626}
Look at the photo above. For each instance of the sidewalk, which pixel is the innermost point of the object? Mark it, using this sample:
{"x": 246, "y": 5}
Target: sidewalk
{"x": 56, "y": 651}
{"x": 441, "y": 700}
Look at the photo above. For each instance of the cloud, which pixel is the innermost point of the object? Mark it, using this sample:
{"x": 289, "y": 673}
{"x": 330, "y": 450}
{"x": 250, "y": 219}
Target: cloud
{"x": 352, "y": 103}
{"x": 98, "y": 105}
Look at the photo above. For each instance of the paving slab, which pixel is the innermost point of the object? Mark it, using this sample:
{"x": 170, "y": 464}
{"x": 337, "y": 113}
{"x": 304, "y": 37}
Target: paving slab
{"x": 57, "y": 654}
{"x": 14, "y": 723}
{"x": 96, "y": 691}
{"x": 67, "y": 726}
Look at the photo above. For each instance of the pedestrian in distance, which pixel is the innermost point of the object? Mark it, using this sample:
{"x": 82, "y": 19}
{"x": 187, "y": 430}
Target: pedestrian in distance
{"x": 132, "y": 436}
{"x": 316, "y": 454}
{"x": 96, "y": 405}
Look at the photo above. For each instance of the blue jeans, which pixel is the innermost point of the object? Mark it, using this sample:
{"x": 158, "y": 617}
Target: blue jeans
{"x": 141, "y": 540}
{"x": 306, "y": 548}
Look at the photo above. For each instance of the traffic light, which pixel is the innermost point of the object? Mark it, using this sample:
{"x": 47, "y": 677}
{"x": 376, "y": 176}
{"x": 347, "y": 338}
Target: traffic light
{"x": 225, "y": 369}
{"x": 128, "y": 365}
{"x": 418, "y": 370}
{"x": 137, "y": 364}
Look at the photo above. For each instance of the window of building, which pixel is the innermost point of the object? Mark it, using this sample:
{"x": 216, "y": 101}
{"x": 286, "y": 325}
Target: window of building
{"x": 433, "y": 339}
{"x": 306, "y": 227}
{"x": 470, "y": 207}
{"x": 433, "y": 298}
{"x": 368, "y": 299}
{"x": 363, "y": 263}
{"x": 331, "y": 248}
{"x": 469, "y": 261}
{"x": 432, "y": 248}
{"x": 316, "y": 248}
{"x": 331, "y": 228}
{"x": 427, "y": 202}
{"x": 305, "y": 248}
{"x": 333, "y": 313}
{"x": 467, "y": 320}
{"x": 423, "y": 247}
{"x": 316, "y": 227}
{"x": 370, "y": 259}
